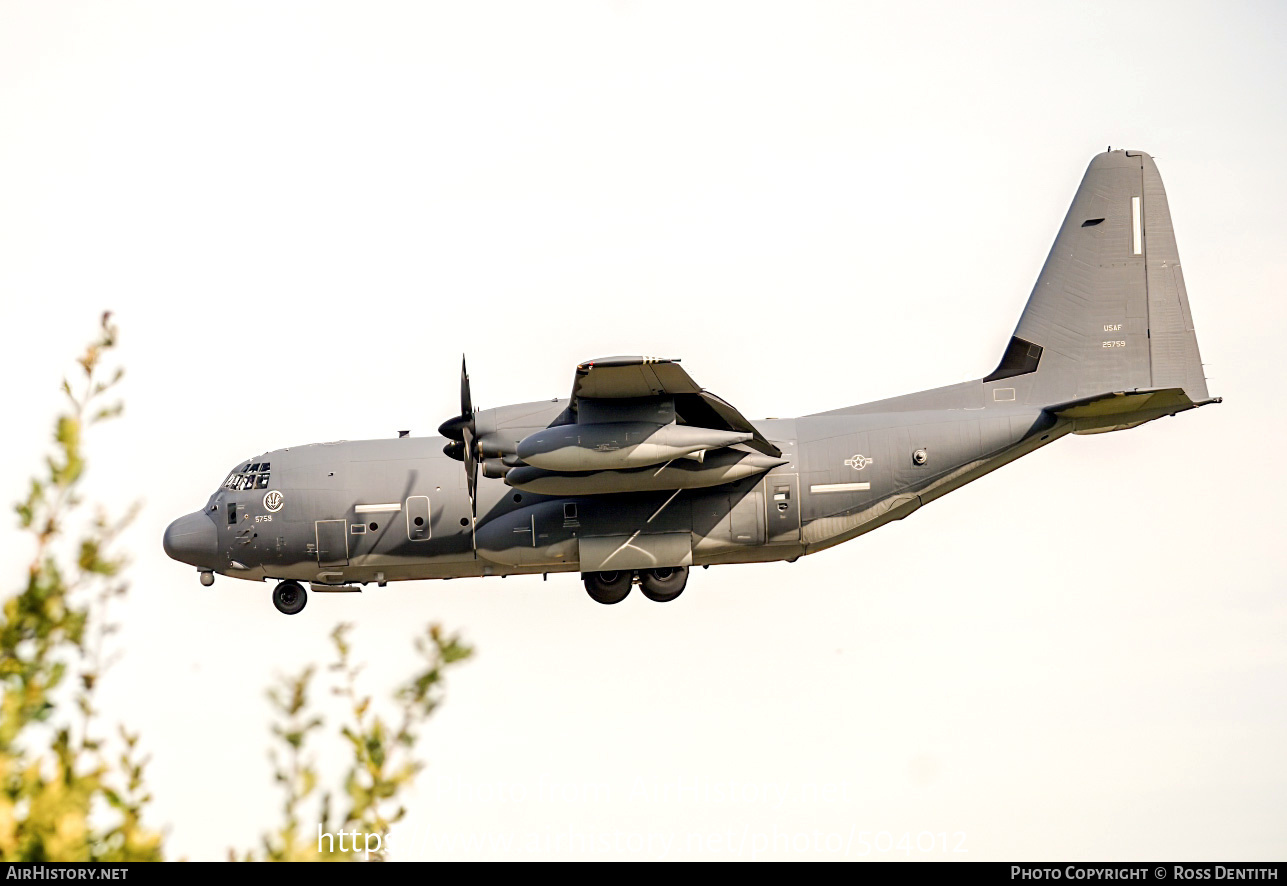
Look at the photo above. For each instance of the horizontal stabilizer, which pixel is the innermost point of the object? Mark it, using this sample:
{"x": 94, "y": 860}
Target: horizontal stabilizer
{"x": 1124, "y": 409}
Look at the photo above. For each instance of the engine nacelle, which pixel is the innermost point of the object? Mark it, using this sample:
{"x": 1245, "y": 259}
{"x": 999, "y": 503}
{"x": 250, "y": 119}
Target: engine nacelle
{"x": 619, "y": 445}
{"x": 726, "y": 466}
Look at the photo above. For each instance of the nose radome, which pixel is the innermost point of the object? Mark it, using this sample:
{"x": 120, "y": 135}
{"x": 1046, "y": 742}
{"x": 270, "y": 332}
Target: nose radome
{"x": 193, "y": 539}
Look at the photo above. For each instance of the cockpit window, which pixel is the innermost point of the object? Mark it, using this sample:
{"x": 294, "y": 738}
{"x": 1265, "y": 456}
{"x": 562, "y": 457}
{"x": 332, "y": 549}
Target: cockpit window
{"x": 252, "y": 476}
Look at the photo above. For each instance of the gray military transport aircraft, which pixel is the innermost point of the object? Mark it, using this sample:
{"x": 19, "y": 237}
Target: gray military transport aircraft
{"x": 642, "y": 474}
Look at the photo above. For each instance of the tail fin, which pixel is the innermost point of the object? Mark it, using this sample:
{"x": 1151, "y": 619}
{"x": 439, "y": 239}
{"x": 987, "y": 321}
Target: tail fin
{"x": 1109, "y": 314}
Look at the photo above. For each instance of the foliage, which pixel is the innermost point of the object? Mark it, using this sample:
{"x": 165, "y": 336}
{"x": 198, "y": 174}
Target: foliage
{"x": 66, "y": 793}
{"x": 73, "y": 800}
{"x": 383, "y": 760}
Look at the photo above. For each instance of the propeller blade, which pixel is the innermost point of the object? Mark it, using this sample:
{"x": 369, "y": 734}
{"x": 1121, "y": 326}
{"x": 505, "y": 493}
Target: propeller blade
{"x": 469, "y": 436}
{"x": 466, "y": 402}
{"x": 471, "y": 466}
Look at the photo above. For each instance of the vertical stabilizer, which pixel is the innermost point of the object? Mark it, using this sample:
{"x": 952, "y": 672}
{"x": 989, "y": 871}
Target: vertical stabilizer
{"x": 1109, "y": 313}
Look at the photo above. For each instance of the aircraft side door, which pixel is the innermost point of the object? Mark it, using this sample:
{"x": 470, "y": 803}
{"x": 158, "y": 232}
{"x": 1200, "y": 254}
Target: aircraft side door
{"x": 782, "y": 504}
{"x": 418, "y": 517}
{"x": 746, "y": 518}
{"x": 332, "y": 542}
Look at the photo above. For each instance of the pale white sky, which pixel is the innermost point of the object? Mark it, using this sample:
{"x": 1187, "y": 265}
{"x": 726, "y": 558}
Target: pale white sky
{"x": 303, "y": 213}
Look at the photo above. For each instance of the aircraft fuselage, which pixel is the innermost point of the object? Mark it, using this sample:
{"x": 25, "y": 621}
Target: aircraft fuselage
{"x": 354, "y": 512}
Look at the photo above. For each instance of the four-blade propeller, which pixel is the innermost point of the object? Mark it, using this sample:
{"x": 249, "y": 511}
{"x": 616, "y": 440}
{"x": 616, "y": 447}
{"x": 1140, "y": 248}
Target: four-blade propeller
{"x": 462, "y": 431}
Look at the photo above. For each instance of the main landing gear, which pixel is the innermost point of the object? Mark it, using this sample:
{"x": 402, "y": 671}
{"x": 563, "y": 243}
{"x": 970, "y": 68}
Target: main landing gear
{"x": 289, "y": 597}
{"x": 659, "y": 585}
{"x": 663, "y": 585}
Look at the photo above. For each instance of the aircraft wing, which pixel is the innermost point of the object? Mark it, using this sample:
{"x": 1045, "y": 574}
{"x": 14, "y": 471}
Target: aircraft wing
{"x": 658, "y": 378}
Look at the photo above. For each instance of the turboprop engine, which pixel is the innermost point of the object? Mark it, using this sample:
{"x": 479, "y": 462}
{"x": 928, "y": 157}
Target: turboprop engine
{"x": 614, "y": 446}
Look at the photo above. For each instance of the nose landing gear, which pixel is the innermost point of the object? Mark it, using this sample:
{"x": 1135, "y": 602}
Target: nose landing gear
{"x": 289, "y": 597}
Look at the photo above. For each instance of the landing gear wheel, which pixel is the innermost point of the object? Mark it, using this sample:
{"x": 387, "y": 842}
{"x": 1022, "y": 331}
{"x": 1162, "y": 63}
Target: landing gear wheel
{"x": 608, "y": 587}
{"x": 663, "y": 585}
{"x": 289, "y": 597}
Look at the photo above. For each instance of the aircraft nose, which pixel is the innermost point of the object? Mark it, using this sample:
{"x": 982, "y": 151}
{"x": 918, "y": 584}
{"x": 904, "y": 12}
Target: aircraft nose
{"x": 193, "y": 539}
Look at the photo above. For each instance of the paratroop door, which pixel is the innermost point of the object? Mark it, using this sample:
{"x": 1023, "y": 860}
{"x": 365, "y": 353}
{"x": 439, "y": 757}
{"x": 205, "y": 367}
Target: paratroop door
{"x": 746, "y": 518}
{"x": 782, "y": 497}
